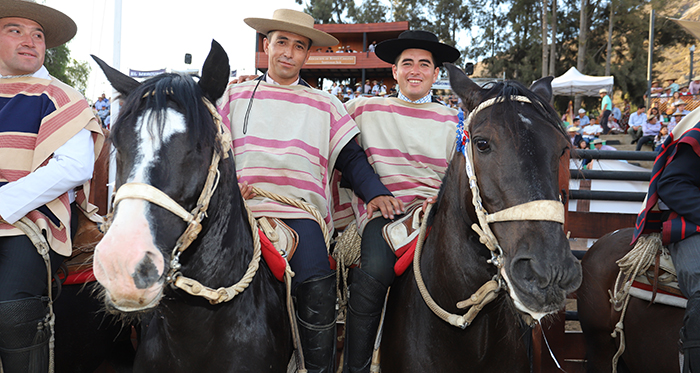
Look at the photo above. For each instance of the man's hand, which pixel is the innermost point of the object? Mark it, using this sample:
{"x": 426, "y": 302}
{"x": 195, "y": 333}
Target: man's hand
{"x": 388, "y": 205}
{"x": 427, "y": 201}
{"x": 246, "y": 190}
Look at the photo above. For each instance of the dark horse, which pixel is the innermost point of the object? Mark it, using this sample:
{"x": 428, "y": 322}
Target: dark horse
{"x": 166, "y": 137}
{"x": 517, "y": 147}
{"x": 651, "y": 330}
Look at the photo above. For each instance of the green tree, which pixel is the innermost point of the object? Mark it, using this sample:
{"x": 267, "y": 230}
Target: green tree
{"x": 327, "y": 11}
{"x": 66, "y": 69}
{"x": 371, "y": 11}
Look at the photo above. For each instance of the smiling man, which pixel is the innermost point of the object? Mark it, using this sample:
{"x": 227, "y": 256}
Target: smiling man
{"x": 48, "y": 138}
{"x": 409, "y": 140}
{"x": 287, "y": 139}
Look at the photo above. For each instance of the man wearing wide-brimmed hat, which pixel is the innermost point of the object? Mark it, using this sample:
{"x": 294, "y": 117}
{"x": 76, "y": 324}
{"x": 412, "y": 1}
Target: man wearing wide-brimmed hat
{"x": 409, "y": 139}
{"x": 605, "y": 109}
{"x": 48, "y": 143}
{"x": 288, "y": 138}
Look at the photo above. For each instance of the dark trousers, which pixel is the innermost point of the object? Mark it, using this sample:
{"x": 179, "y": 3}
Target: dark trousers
{"x": 377, "y": 258}
{"x": 310, "y": 260}
{"x": 645, "y": 139}
{"x": 604, "y": 121}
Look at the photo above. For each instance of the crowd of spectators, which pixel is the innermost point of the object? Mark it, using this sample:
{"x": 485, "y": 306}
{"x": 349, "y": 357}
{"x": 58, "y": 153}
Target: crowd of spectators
{"x": 102, "y": 108}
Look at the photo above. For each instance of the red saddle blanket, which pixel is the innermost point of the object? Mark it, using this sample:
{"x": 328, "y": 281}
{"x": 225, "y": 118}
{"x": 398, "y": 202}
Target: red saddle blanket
{"x": 272, "y": 257}
{"x": 405, "y": 255}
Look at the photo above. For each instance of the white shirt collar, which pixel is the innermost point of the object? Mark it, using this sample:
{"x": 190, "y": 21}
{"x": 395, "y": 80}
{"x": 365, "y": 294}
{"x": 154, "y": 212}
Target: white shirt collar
{"x": 42, "y": 73}
{"x": 268, "y": 79}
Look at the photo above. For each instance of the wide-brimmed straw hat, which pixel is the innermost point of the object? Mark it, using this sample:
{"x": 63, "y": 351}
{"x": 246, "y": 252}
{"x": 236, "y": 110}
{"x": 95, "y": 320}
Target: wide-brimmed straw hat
{"x": 292, "y": 21}
{"x": 678, "y": 112}
{"x": 680, "y": 102}
{"x": 389, "y": 50}
{"x": 603, "y": 90}
{"x": 597, "y": 141}
{"x": 573, "y": 129}
{"x": 58, "y": 27}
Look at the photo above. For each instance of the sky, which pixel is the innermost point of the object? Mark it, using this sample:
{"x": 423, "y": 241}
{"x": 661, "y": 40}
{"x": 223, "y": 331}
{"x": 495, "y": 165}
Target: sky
{"x": 156, "y": 34}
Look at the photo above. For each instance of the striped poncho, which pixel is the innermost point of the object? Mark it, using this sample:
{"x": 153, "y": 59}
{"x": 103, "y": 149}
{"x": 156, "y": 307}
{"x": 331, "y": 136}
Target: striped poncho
{"x": 37, "y": 116}
{"x": 409, "y": 145}
{"x": 676, "y": 227}
{"x": 293, "y": 137}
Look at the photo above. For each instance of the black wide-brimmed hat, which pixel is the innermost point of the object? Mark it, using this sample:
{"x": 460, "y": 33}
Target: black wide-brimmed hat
{"x": 389, "y": 50}
{"x": 58, "y": 27}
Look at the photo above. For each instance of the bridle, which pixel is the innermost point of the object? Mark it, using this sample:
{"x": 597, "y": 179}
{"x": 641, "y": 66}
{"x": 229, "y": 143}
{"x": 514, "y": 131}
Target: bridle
{"x": 539, "y": 210}
{"x": 194, "y": 220}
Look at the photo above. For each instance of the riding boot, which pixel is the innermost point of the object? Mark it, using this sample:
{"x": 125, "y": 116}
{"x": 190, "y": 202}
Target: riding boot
{"x": 316, "y": 316}
{"x": 364, "y": 313}
{"x": 24, "y": 336}
{"x": 690, "y": 335}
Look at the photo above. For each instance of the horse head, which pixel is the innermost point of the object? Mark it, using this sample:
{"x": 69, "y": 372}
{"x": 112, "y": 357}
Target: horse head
{"x": 515, "y": 142}
{"x": 167, "y": 149}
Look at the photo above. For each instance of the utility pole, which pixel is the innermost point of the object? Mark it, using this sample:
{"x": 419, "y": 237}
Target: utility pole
{"x": 692, "y": 50}
{"x": 650, "y": 59}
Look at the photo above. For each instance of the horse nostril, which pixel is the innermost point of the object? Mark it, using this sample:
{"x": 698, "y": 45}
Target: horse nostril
{"x": 526, "y": 269}
{"x": 146, "y": 273}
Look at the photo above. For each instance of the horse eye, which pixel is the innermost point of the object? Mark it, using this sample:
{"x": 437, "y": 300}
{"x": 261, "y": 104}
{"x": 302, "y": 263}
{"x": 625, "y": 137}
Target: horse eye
{"x": 482, "y": 145}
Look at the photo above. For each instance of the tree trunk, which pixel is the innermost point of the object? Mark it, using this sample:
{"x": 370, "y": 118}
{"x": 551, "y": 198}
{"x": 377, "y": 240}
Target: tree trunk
{"x": 608, "y": 55}
{"x": 553, "y": 45}
{"x": 582, "y": 40}
{"x": 544, "y": 38}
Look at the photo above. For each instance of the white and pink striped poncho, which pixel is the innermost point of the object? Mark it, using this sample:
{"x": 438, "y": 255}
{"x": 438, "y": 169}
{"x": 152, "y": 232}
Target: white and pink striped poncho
{"x": 409, "y": 145}
{"x": 294, "y": 136}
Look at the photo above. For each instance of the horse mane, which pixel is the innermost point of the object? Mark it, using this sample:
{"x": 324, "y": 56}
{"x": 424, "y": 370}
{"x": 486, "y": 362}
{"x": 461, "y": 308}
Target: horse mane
{"x": 506, "y": 90}
{"x": 170, "y": 90}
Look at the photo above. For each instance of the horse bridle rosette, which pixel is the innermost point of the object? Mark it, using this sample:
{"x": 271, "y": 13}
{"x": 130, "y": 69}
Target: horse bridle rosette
{"x": 540, "y": 210}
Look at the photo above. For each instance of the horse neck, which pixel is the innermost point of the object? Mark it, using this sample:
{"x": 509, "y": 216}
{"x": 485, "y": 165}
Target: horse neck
{"x": 225, "y": 247}
{"x": 452, "y": 251}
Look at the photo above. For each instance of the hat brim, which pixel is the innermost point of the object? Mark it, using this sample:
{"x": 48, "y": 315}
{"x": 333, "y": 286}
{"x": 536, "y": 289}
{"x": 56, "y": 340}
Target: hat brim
{"x": 389, "y": 50}
{"x": 318, "y": 38}
{"x": 58, "y": 27}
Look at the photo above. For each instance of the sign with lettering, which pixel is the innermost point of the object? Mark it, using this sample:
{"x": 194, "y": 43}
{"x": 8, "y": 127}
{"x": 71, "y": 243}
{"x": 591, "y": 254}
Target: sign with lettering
{"x": 331, "y": 60}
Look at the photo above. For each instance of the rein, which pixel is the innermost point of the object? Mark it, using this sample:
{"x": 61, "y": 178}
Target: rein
{"x": 540, "y": 210}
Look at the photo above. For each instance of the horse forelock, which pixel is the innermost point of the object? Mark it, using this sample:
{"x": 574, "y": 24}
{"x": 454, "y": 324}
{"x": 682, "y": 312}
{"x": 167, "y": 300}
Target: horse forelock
{"x": 514, "y": 109}
{"x": 155, "y": 96}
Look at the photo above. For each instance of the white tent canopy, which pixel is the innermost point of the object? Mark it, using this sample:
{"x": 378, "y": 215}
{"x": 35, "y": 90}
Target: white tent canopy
{"x": 574, "y": 83}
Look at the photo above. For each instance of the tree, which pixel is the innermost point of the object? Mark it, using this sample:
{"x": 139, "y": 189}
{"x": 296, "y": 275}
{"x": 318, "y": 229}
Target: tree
{"x": 327, "y": 11}
{"x": 371, "y": 11}
{"x": 61, "y": 66}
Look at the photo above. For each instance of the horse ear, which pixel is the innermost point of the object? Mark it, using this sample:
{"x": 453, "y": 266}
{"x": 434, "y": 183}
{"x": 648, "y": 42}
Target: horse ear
{"x": 543, "y": 87}
{"x": 215, "y": 72}
{"x": 464, "y": 87}
{"x": 121, "y": 82}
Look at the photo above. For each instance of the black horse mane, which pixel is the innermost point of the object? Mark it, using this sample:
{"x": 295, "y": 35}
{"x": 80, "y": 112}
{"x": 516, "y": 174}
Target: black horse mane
{"x": 165, "y": 91}
{"x": 506, "y": 90}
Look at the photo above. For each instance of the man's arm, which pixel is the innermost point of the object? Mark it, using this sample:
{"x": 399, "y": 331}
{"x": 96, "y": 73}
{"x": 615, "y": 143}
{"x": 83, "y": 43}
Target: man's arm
{"x": 72, "y": 165}
{"x": 359, "y": 175}
{"x": 679, "y": 184}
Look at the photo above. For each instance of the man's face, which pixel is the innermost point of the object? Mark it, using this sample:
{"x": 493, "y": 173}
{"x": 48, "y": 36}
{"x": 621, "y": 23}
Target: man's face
{"x": 415, "y": 73}
{"x": 598, "y": 145}
{"x": 22, "y": 46}
{"x": 286, "y": 54}
{"x": 640, "y": 110}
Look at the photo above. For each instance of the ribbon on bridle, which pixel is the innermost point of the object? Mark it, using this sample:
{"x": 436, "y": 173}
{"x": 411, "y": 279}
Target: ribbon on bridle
{"x": 539, "y": 210}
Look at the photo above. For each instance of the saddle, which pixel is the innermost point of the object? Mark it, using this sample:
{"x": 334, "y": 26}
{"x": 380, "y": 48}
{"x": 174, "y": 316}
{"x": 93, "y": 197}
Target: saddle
{"x": 401, "y": 232}
{"x": 283, "y": 237}
{"x": 659, "y": 283}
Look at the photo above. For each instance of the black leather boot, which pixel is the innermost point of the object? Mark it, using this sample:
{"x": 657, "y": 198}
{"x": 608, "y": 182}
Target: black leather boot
{"x": 364, "y": 312}
{"x": 24, "y": 336}
{"x": 316, "y": 316}
{"x": 690, "y": 335}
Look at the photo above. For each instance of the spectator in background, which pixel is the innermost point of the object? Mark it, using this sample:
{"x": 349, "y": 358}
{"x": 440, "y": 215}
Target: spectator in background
{"x": 660, "y": 138}
{"x": 584, "y": 120}
{"x": 367, "y": 88}
{"x": 650, "y": 130}
{"x": 654, "y": 112}
{"x": 574, "y": 137}
{"x": 694, "y": 86}
{"x": 626, "y": 111}
{"x": 680, "y": 106}
{"x": 656, "y": 89}
{"x": 335, "y": 89}
{"x": 375, "y": 88}
{"x": 684, "y": 90}
{"x": 600, "y": 145}
{"x": 372, "y": 46}
{"x": 605, "y": 109}
{"x": 592, "y": 130}
{"x": 673, "y": 85}
{"x": 677, "y": 116}
{"x": 636, "y": 123}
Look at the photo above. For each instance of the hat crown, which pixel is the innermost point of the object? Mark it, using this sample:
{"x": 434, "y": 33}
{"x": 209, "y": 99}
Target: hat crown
{"x": 419, "y": 35}
{"x": 293, "y": 16}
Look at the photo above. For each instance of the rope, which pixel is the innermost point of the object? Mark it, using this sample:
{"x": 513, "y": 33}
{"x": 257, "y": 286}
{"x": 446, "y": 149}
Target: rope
{"x": 632, "y": 264}
{"x": 34, "y": 233}
{"x": 475, "y": 303}
{"x": 346, "y": 252}
{"x": 301, "y": 205}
